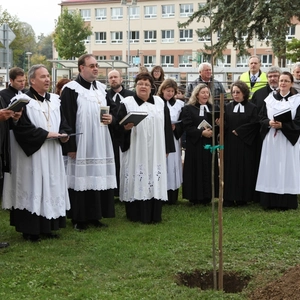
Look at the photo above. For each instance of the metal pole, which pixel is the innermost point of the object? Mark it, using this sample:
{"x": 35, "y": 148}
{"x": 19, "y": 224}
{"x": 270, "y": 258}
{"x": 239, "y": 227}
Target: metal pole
{"x": 128, "y": 12}
{"x": 6, "y": 43}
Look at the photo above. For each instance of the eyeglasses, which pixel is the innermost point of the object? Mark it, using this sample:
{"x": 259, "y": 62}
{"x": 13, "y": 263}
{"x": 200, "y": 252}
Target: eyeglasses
{"x": 284, "y": 81}
{"x": 144, "y": 84}
{"x": 92, "y": 66}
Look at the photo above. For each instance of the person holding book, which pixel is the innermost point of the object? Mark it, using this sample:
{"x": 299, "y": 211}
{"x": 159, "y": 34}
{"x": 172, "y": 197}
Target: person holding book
{"x": 241, "y": 127}
{"x": 89, "y": 157}
{"x": 143, "y": 172}
{"x": 167, "y": 92}
{"x": 197, "y": 169}
{"x": 115, "y": 94}
{"x": 278, "y": 178}
{"x": 6, "y": 116}
{"x": 35, "y": 191}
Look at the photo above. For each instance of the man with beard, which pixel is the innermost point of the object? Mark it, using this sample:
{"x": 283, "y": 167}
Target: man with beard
{"x": 116, "y": 93}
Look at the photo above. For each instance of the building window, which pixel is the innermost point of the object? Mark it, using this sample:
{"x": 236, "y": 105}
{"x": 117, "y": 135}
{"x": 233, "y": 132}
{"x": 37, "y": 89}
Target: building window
{"x": 185, "y": 60}
{"x": 291, "y": 32}
{"x": 167, "y": 60}
{"x": 167, "y": 36}
{"x": 186, "y": 10}
{"x": 150, "y": 12}
{"x": 100, "y": 14}
{"x": 116, "y": 37}
{"x": 100, "y": 37}
{"x": 150, "y": 36}
{"x": 116, "y": 57}
{"x": 134, "y": 12}
{"x": 168, "y": 11}
{"x": 242, "y": 61}
{"x": 186, "y": 35}
{"x": 205, "y": 38}
{"x": 134, "y": 36}
{"x": 85, "y": 14}
{"x": 225, "y": 61}
{"x": 266, "y": 60}
{"x": 117, "y": 13}
{"x": 100, "y": 57}
{"x": 149, "y": 60}
{"x": 87, "y": 40}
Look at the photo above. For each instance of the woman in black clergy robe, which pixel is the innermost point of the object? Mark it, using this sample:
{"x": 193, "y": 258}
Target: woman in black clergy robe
{"x": 197, "y": 186}
{"x": 240, "y": 132}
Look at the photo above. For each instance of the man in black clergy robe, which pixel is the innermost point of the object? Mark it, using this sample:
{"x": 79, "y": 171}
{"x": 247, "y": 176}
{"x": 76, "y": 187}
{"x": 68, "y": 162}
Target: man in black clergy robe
{"x": 4, "y": 144}
{"x": 16, "y": 84}
{"x": 116, "y": 93}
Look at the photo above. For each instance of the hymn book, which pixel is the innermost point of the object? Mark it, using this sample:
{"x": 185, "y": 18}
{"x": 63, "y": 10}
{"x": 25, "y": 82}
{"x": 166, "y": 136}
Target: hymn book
{"x": 17, "y": 105}
{"x": 283, "y": 116}
{"x": 204, "y": 124}
{"x": 134, "y": 117}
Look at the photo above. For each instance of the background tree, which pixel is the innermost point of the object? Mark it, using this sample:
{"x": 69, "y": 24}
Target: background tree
{"x": 44, "y": 46}
{"x": 265, "y": 21}
{"x": 293, "y": 50}
{"x": 70, "y": 33}
{"x": 25, "y": 37}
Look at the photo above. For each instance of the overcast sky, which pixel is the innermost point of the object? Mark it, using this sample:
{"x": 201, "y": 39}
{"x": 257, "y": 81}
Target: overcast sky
{"x": 40, "y": 14}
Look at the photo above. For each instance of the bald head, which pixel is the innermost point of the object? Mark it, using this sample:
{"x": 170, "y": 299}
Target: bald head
{"x": 115, "y": 80}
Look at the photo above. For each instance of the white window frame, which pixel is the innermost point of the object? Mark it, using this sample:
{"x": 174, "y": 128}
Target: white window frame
{"x": 266, "y": 60}
{"x": 116, "y": 37}
{"x": 100, "y": 14}
{"x": 168, "y": 11}
{"x": 167, "y": 36}
{"x": 116, "y": 13}
{"x": 150, "y": 36}
{"x": 290, "y": 32}
{"x": 167, "y": 60}
{"x": 100, "y": 37}
{"x": 116, "y": 57}
{"x": 225, "y": 62}
{"x": 134, "y": 12}
{"x": 205, "y": 38}
{"x": 134, "y": 36}
{"x": 85, "y": 14}
{"x": 150, "y": 11}
{"x": 186, "y": 35}
{"x": 185, "y": 61}
{"x": 242, "y": 61}
{"x": 149, "y": 60}
{"x": 186, "y": 10}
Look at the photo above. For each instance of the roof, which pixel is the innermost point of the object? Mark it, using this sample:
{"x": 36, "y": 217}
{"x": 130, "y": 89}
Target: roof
{"x": 103, "y": 64}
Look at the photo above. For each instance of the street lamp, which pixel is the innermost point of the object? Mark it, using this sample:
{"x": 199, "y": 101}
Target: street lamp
{"x": 124, "y": 2}
{"x": 28, "y": 59}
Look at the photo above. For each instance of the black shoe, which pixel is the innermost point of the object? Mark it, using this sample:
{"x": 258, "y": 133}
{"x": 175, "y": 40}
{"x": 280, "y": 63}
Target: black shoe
{"x": 51, "y": 235}
{"x": 3, "y": 245}
{"x": 80, "y": 226}
{"x": 98, "y": 224}
{"x": 31, "y": 237}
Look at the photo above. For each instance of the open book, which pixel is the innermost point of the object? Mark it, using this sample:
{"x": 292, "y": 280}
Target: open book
{"x": 204, "y": 124}
{"x": 134, "y": 117}
{"x": 283, "y": 116}
{"x": 17, "y": 105}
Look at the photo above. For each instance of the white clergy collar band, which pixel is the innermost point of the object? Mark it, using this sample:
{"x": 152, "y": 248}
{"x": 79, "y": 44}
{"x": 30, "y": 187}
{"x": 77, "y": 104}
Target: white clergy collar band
{"x": 202, "y": 107}
{"x": 239, "y": 107}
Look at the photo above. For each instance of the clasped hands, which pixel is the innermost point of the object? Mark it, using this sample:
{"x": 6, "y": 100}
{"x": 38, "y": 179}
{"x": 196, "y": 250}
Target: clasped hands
{"x": 275, "y": 124}
{"x": 5, "y": 114}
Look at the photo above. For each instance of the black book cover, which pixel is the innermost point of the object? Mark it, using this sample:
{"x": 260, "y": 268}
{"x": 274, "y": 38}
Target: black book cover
{"x": 283, "y": 116}
{"x": 134, "y": 117}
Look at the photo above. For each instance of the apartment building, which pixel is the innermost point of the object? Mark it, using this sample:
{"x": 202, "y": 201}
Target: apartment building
{"x": 154, "y": 37}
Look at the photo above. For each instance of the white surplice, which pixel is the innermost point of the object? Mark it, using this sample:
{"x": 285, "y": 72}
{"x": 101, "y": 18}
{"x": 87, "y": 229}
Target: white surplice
{"x": 38, "y": 183}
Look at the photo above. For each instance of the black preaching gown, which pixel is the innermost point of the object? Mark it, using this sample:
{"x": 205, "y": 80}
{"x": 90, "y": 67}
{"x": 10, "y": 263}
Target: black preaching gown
{"x": 197, "y": 184}
{"x": 240, "y": 170}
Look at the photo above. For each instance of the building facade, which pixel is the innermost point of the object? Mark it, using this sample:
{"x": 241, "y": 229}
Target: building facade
{"x": 154, "y": 37}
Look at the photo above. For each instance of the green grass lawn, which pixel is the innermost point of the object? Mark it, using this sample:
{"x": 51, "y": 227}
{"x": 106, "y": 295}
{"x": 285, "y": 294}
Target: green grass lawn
{"x": 135, "y": 261}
